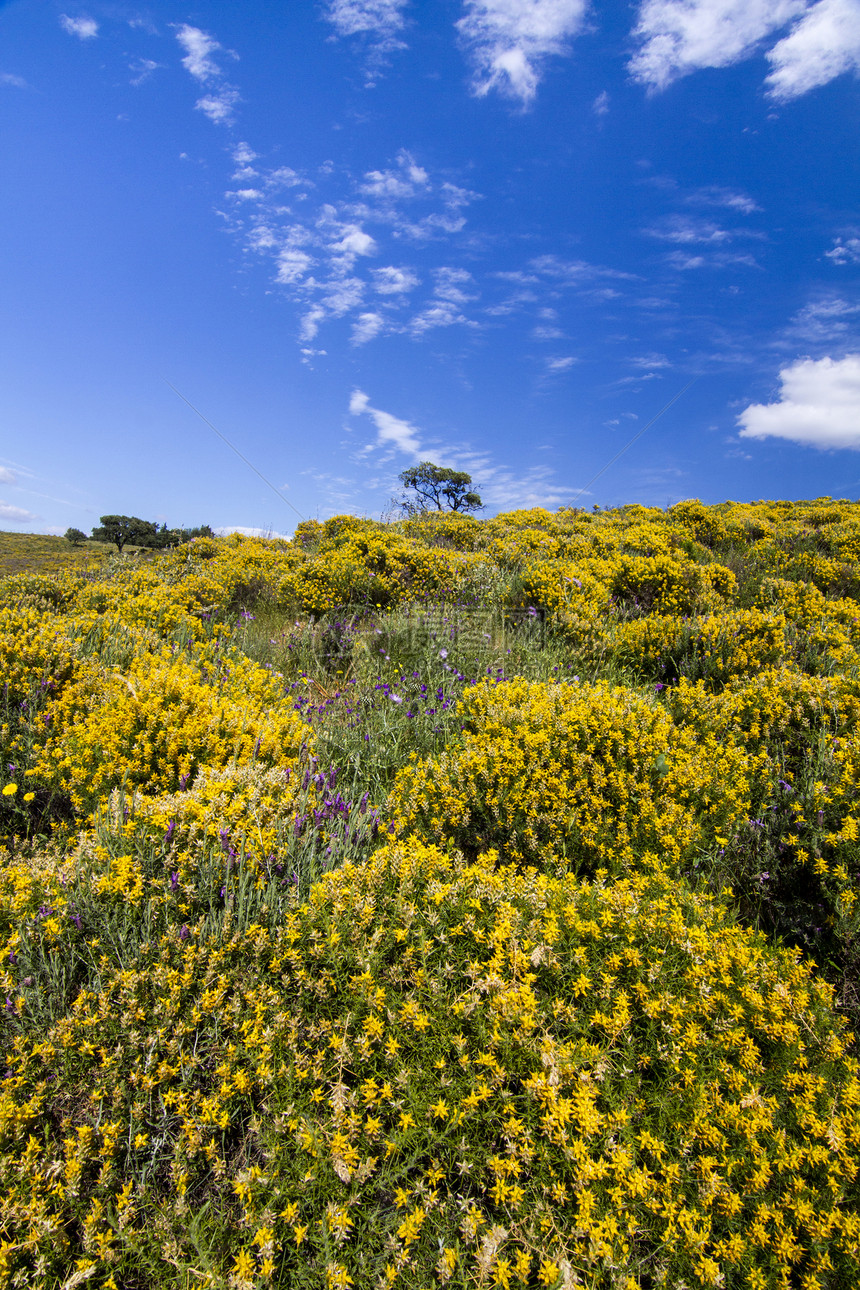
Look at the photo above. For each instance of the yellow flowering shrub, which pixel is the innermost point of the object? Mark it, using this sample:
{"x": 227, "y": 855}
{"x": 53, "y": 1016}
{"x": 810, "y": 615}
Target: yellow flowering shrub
{"x": 437, "y": 1069}
{"x": 739, "y": 642}
{"x": 595, "y": 774}
{"x": 777, "y": 708}
{"x": 168, "y": 715}
{"x": 669, "y": 585}
{"x": 36, "y": 657}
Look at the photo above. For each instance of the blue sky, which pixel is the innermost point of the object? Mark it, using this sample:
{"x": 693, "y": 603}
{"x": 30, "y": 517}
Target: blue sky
{"x": 501, "y": 235}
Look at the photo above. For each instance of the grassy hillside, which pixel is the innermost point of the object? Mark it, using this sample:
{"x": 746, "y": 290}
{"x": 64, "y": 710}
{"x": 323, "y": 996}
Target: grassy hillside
{"x": 42, "y": 553}
{"x": 446, "y": 902}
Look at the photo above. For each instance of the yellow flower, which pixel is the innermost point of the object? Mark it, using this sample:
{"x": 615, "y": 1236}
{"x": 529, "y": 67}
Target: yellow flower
{"x": 10, "y": 789}
{"x": 244, "y": 1265}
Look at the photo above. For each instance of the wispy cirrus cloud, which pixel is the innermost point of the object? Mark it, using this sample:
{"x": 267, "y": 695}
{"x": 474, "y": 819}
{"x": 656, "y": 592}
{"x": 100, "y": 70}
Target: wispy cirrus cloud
{"x": 510, "y": 40}
{"x": 818, "y": 405}
{"x": 716, "y": 196}
{"x": 827, "y": 322}
{"x": 392, "y": 433}
{"x": 845, "y": 250}
{"x": 683, "y": 231}
{"x": 84, "y": 28}
{"x": 573, "y": 273}
{"x": 17, "y": 82}
{"x": 499, "y": 485}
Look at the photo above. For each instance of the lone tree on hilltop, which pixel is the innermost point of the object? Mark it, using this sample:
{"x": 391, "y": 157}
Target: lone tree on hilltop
{"x": 437, "y": 488}
{"x": 123, "y": 529}
{"x": 75, "y": 536}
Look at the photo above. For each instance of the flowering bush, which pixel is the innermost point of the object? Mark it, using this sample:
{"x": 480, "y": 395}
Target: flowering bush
{"x": 439, "y": 902}
{"x": 440, "y": 1072}
{"x": 593, "y": 774}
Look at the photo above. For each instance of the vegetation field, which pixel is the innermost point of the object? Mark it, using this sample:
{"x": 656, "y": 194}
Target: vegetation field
{"x": 441, "y": 902}
{"x": 42, "y": 553}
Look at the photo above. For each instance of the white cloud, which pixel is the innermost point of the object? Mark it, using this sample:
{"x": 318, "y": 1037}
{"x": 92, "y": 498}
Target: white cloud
{"x": 380, "y": 20}
{"x": 366, "y": 328}
{"x": 826, "y": 322}
{"x": 83, "y": 28}
{"x": 16, "y": 514}
{"x": 570, "y": 272}
{"x": 342, "y": 294}
{"x": 9, "y": 78}
{"x": 391, "y": 431}
{"x": 685, "y": 260}
{"x": 600, "y": 106}
{"x": 320, "y": 249}
{"x": 354, "y": 242}
{"x": 715, "y": 195}
{"x": 406, "y": 181}
{"x": 219, "y": 106}
{"x": 293, "y": 264}
{"x": 504, "y": 489}
{"x": 845, "y": 251}
{"x": 244, "y": 155}
{"x": 309, "y": 324}
{"x": 442, "y": 314}
{"x": 7, "y": 476}
{"x": 823, "y": 45}
{"x": 509, "y": 40}
{"x": 450, "y": 284}
{"x": 556, "y": 365}
{"x": 142, "y": 69}
{"x": 679, "y": 36}
{"x": 819, "y": 405}
{"x": 682, "y": 230}
{"x": 650, "y": 362}
{"x": 391, "y": 281}
{"x": 199, "y": 47}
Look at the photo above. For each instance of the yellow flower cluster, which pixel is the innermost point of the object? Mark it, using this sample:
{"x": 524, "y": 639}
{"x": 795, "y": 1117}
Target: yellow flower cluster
{"x": 594, "y": 775}
{"x": 170, "y": 713}
{"x": 438, "y": 1068}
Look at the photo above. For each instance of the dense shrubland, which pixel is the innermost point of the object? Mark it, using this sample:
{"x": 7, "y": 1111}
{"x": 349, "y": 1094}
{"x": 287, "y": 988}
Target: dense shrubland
{"x": 451, "y": 901}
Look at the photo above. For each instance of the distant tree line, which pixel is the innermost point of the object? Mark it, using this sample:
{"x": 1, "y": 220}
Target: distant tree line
{"x": 130, "y": 530}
